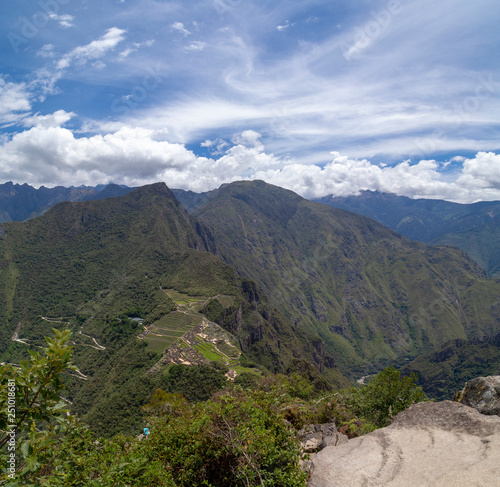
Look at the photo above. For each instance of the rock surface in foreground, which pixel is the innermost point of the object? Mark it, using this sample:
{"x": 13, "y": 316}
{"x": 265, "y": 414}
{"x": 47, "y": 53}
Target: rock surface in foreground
{"x": 430, "y": 444}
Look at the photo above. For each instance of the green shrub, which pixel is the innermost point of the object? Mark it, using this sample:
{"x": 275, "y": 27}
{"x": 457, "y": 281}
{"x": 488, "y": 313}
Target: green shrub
{"x": 385, "y": 395}
{"x": 235, "y": 439}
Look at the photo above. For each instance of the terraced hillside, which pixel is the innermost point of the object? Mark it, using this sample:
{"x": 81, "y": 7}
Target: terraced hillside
{"x": 185, "y": 336}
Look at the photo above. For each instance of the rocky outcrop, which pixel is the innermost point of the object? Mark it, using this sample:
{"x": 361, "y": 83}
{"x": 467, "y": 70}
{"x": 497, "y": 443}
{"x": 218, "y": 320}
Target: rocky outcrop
{"x": 430, "y": 444}
{"x": 315, "y": 437}
{"x": 483, "y": 394}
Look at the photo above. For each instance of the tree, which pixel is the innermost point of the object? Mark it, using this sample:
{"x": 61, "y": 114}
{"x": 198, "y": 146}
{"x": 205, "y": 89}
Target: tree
{"x": 385, "y": 395}
{"x": 53, "y": 448}
{"x": 32, "y": 410}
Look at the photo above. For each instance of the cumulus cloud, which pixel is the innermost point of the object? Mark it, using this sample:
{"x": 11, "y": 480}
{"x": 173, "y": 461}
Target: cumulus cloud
{"x": 56, "y": 119}
{"x": 50, "y": 154}
{"x": 478, "y": 180}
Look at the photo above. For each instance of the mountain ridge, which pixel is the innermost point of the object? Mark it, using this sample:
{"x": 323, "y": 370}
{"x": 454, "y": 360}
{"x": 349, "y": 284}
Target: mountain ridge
{"x": 475, "y": 228}
{"x": 90, "y": 266}
{"x": 338, "y": 272}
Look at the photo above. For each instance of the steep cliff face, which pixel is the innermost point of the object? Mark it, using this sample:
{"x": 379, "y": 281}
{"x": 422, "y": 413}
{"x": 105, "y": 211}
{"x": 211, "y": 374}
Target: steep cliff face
{"x": 369, "y": 293}
{"x": 474, "y": 228}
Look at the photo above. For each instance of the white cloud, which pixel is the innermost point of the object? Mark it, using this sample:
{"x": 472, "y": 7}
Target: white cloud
{"x": 64, "y": 20}
{"x": 135, "y": 47}
{"x": 94, "y": 50}
{"x": 196, "y": 46}
{"x": 14, "y": 101}
{"x": 248, "y": 138}
{"x": 56, "y": 119}
{"x": 283, "y": 27}
{"x": 179, "y": 27}
{"x": 216, "y": 147}
{"x": 50, "y": 154}
{"x": 479, "y": 179}
{"x": 49, "y": 75}
{"x": 46, "y": 51}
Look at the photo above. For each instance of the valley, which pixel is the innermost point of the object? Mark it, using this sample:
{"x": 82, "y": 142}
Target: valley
{"x": 256, "y": 280}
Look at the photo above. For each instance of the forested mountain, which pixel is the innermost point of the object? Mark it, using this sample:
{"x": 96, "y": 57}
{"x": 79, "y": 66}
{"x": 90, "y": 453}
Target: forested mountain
{"x": 101, "y": 267}
{"x": 257, "y": 279}
{"x": 475, "y": 228}
{"x": 369, "y": 293}
{"x": 444, "y": 372}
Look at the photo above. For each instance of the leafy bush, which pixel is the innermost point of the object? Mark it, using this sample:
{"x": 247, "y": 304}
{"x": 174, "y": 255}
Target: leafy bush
{"x": 235, "y": 439}
{"x": 238, "y": 437}
{"x": 385, "y": 395}
{"x": 54, "y": 448}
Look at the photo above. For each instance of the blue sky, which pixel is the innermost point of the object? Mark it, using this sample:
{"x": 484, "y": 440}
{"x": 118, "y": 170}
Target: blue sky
{"x": 322, "y": 97}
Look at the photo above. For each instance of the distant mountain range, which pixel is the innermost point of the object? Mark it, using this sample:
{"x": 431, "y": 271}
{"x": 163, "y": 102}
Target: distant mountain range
{"x": 91, "y": 266}
{"x": 22, "y": 202}
{"x": 474, "y": 228}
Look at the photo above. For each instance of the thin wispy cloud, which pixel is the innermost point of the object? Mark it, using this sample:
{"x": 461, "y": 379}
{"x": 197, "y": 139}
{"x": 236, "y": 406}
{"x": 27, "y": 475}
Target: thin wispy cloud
{"x": 94, "y": 50}
{"x": 196, "y": 46}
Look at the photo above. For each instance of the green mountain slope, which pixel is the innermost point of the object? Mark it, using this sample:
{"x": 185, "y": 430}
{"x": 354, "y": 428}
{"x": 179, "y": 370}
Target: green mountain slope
{"x": 482, "y": 243}
{"x": 444, "y": 372}
{"x": 473, "y": 228}
{"x": 93, "y": 266}
{"x": 369, "y": 293}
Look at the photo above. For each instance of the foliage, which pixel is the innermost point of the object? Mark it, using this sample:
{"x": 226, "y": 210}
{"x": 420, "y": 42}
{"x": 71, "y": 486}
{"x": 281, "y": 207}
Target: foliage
{"x": 52, "y": 447}
{"x": 443, "y": 372}
{"x": 385, "y": 395}
{"x": 235, "y": 439}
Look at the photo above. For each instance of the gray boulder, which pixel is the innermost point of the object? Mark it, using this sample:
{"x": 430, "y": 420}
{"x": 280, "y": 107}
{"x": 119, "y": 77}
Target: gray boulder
{"x": 430, "y": 444}
{"x": 482, "y": 394}
{"x": 315, "y": 437}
